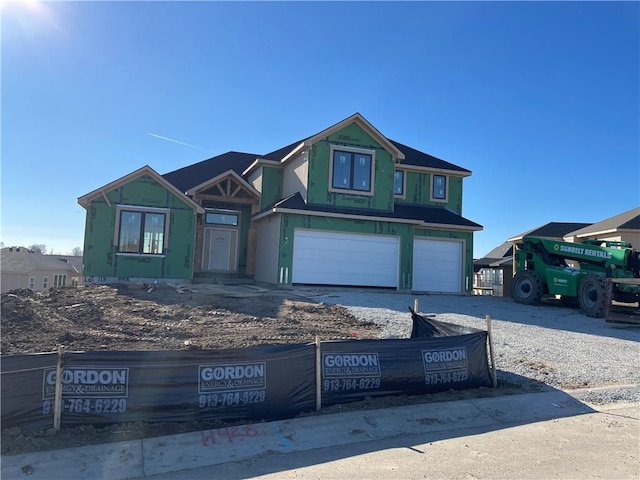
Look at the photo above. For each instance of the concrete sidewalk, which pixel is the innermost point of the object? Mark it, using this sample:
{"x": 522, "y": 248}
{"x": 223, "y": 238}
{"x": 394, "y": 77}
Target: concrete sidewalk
{"x": 192, "y": 450}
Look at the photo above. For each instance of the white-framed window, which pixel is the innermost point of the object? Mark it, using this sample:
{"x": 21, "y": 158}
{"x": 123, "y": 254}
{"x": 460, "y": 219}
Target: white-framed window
{"x": 45, "y": 282}
{"x": 32, "y": 283}
{"x": 59, "y": 280}
{"x": 439, "y": 187}
{"x": 141, "y": 231}
{"x": 352, "y": 170}
{"x": 222, "y": 217}
{"x": 398, "y": 183}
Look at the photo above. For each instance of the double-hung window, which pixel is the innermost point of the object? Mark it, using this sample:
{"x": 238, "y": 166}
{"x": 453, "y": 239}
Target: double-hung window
{"x": 352, "y": 170}
{"x": 141, "y": 232}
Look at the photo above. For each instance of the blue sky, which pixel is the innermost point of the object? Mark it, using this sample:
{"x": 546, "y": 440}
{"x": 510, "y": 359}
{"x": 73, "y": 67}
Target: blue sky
{"x": 539, "y": 100}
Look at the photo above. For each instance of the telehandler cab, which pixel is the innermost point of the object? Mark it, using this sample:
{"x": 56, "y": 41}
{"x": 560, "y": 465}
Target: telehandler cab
{"x": 577, "y": 272}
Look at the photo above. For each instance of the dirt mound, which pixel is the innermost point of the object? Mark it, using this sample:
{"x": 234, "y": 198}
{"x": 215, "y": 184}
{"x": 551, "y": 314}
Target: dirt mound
{"x": 142, "y": 317}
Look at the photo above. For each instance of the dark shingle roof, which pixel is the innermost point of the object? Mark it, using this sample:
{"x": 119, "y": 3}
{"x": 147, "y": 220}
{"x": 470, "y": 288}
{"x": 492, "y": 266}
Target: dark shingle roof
{"x": 437, "y": 215}
{"x": 553, "y": 230}
{"x": 499, "y": 256}
{"x": 421, "y": 159}
{"x": 188, "y": 177}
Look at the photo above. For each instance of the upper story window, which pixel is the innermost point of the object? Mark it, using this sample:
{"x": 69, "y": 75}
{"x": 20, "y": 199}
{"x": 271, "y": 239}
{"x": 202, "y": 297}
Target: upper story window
{"x": 398, "y": 183}
{"x": 352, "y": 170}
{"x": 439, "y": 187}
{"x": 141, "y": 231}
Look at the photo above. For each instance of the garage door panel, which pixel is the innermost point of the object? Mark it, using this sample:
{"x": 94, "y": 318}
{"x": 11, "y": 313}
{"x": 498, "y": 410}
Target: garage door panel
{"x": 332, "y": 258}
{"x": 437, "y": 266}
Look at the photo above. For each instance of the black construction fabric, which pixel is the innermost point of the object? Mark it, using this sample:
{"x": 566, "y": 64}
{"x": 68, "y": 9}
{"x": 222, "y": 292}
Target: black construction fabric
{"x": 263, "y": 382}
{"x": 428, "y": 327}
{"x": 355, "y": 370}
{"x": 23, "y": 383}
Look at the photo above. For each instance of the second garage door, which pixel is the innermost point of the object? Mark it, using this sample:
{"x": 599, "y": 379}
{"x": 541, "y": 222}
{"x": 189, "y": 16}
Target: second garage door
{"x": 330, "y": 258}
{"x": 437, "y": 266}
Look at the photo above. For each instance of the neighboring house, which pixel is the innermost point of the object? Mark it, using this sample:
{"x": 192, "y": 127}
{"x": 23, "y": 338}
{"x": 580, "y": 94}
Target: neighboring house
{"x": 346, "y": 206}
{"x": 493, "y": 272}
{"x": 624, "y": 227}
{"x": 24, "y": 268}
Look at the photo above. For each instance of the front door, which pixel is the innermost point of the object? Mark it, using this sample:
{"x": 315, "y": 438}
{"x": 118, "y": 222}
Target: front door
{"x": 220, "y": 249}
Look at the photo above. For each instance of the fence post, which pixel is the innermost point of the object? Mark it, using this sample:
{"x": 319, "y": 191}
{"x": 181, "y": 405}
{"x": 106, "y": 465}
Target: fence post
{"x": 57, "y": 407}
{"x": 494, "y": 381}
{"x": 318, "y": 376}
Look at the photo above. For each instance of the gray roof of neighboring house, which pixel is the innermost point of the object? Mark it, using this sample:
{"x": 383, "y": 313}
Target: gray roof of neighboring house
{"x": 21, "y": 260}
{"x": 552, "y": 230}
{"x": 499, "y": 256}
{"x": 625, "y": 221}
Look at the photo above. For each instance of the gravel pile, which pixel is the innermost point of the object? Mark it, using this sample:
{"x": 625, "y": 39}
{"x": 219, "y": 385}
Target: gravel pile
{"x": 534, "y": 346}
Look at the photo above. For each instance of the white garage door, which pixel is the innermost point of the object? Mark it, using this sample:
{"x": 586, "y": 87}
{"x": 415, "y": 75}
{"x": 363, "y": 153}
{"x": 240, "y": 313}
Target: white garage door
{"x": 437, "y": 266}
{"x": 330, "y": 258}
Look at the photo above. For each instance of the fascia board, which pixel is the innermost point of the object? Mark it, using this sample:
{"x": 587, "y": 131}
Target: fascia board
{"x": 192, "y": 191}
{"x": 85, "y": 200}
{"x": 417, "y": 168}
{"x": 260, "y": 162}
{"x": 374, "y": 218}
{"x": 366, "y": 126}
{"x": 598, "y": 232}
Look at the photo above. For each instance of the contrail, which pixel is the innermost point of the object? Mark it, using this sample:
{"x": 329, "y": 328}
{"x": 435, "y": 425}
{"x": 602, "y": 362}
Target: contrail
{"x": 175, "y": 141}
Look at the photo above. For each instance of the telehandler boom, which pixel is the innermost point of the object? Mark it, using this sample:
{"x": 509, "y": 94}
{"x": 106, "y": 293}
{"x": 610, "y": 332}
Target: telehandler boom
{"x": 577, "y": 272}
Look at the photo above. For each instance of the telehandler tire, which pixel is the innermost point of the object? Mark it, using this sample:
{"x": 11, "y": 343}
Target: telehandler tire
{"x": 592, "y": 295}
{"x": 527, "y": 287}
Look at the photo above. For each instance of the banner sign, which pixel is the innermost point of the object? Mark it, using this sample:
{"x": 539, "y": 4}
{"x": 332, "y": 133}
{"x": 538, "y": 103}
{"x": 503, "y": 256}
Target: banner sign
{"x": 355, "y": 370}
{"x": 258, "y": 383}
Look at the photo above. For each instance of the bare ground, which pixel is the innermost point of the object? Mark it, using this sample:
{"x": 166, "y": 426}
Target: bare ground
{"x": 142, "y": 317}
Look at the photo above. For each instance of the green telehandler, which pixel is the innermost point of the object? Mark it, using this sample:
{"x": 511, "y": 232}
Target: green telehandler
{"x": 578, "y": 272}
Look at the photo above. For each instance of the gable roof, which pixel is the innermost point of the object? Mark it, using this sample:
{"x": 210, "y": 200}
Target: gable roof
{"x": 418, "y": 215}
{"x": 407, "y": 155}
{"x": 21, "y": 260}
{"x": 629, "y": 220}
{"x": 186, "y": 178}
{"x": 85, "y": 200}
{"x": 551, "y": 230}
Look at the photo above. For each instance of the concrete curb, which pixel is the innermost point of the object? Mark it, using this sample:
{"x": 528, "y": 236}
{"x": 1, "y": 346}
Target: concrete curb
{"x": 150, "y": 456}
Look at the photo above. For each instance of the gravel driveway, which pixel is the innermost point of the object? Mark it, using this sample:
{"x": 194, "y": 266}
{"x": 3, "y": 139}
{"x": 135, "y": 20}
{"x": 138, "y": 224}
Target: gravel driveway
{"x": 550, "y": 344}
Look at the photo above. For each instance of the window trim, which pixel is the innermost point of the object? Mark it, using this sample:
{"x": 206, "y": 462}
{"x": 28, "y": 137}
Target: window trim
{"x": 32, "y": 283}
{"x": 352, "y": 150}
{"x": 221, "y": 211}
{"x": 136, "y": 208}
{"x": 446, "y": 188}
{"x": 404, "y": 183}
{"x": 45, "y": 282}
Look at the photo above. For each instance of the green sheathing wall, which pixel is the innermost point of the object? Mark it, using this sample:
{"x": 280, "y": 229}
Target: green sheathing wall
{"x": 319, "y": 182}
{"x": 290, "y": 222}
{"x": 468, "y": 253}
{"x": 243, "y": 232}
{"x": 271, "y": 186}
{"x": 100, "y": 258}
{"x": 419, "y": 191}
